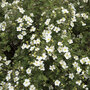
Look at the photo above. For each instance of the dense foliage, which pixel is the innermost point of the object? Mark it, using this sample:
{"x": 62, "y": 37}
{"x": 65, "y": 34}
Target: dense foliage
{"x": 44, "y": 45}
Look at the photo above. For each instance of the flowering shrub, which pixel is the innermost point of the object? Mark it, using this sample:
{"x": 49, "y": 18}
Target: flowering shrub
{"x": 40, "y": 48}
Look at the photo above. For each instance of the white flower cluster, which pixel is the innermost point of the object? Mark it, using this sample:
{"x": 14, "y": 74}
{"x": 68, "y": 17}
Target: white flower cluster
{"x": 47, "y": 35}
{"x": 4, "y": 61}
{"x": 21, "y": 28}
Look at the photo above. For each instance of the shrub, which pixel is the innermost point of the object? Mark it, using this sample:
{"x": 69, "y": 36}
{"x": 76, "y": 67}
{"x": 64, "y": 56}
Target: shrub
{"x": 43, "y": 45}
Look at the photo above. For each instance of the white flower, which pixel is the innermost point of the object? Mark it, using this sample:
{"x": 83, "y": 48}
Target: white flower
{"x": 8, "y": 62}
{"x": 48, "y": 38}
{"x": 4, "y": 3}
{"x": 27, "y": 46}
{"x": 79, "y": 70}
{"x": 32, "y": 48}
{"x": 24, "y": 33}
{"x": 3, "y": 26}
{"x": 8, "y": 77}
{"x": 28, "y": 71}
{"x": 20, "y": 36}
{"x": 33, "y": 36}
{"x": 60, "y": 49}
{"x": 84, "y": 15}
{"x": 63, "y": 64}
{"x": 76, "y": 57}
{"x": 78, "y": 82}
{"x": 50, "y": 49}
{"x": 44, "y": 56}
{"x": 83, "y": 24}
{"x": 56, "y": 29}
{"x": 62, "y": 20}
{"x": 64, "y": 32}
{"x": 38, "y": 41}
{"x": 52, "y": 67}
{"x": 21, "y": 68}
{"x": 43, "y": 13}
{"x": 1, "y": 88}
{"x": 37, "y": 49}
{"x": 21, "y": 10}
{"x": 19, "y": 20}
{"x": 60, "y": 44}
{"x": 29, "y": 19}
{"x": 78, "y": 15}
{"x": 75, "y": 64}
{"x": 2, "y": 83}
{"x": 16, "y": 2}
{"x": 65, "y": 11}
{"x": 72, "y": 24}
{"x": 23, "y": 28}
{"x": 26, "y": 83}
{"x": 57, "y": 83}
{"x": 23, "y": 46}
{"x": 0, "y": 58}
{"x": 41, "y": 67}
{"x": 6, "y": 16}
{"x": 73, "y": 19}
{"x": 5, "y": 58}
{"x": 16, "y": 73}
{"x": 63, "y": 36}
{"x": 47, "y": 21}
{"x": 54, "y": 57}
{"x": 47, "y": 32}
{"x": 34, "y": 42}
{"x": 65, "y": 49}
{"x": 29, "y": 23}
{"x": 19, "y": 28}
{"x": 67, "y": 55}
{"x": 58, "y": 22}
{"x": 16, "y": 79}
{"x": 32, "y": 29}
{"x": 70, "y": 41}
{"x": 50, "y": 27}
{"x": 51, "y": 87}
{"x": 32, "y": 87}
{"x": 87, "y": 60}
{"x": 39, "y": 58}
{"x": 31, "y": 14}
{"x": 9, "y": 72}
{"x": 84, "y": 86}
{"x": 38, "y": 63}
{"x": 71, "y": 75}
{"x": 1, "y": 64}
{"x": 21, "y": 24}
{"x": 11, "y": 88}
{"x": 82, "y": 61}
{"x": 25, "y": 17}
